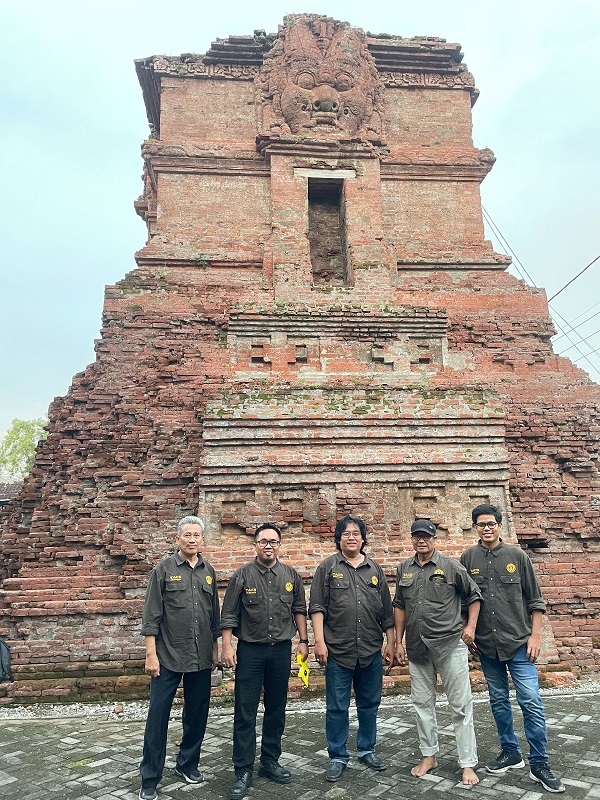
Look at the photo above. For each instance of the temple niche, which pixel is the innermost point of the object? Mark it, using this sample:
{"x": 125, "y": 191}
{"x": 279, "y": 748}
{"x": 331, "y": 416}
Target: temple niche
{"x": 316, "y": 326}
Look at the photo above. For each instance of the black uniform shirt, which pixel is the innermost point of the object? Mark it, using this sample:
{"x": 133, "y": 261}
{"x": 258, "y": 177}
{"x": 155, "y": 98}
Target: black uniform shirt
{"x": 260, "y": 602}
{"x": 357, "y": 608}
{"x": 182, "y": 610}
{"x": 431, "y": 596}
{"x": 510, "y": 590}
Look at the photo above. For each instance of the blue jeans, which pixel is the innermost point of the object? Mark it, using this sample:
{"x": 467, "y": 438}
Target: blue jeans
{"x": 525, "y": 680}
{"x": 367, "y": 682}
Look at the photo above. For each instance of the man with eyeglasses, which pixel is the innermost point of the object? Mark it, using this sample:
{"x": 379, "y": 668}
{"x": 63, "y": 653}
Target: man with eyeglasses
{"x": 180, "y": 623}
{"x": 508, "y": 638}
{"x": 351, "y": 608}
{"x": 430, "y": 592}
{"x": 264, "y": 607}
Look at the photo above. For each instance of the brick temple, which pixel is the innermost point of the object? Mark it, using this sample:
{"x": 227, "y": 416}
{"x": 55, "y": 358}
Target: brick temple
{"x": 316, "y": 326}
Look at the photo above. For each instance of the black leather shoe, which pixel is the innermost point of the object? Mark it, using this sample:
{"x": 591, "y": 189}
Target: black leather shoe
{"x": 274, "y": 772}
{"x": 241, "y": 785}
{"x": 372, "y": 761}
{"x": 334, "y": 773}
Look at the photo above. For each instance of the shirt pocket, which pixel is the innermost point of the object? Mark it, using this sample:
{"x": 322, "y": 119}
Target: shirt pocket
{"x": 510, "y": 586}
{"x": 406, "y": 587}
{"x": 438, "y": 589}
{"x": 175, "y": 595}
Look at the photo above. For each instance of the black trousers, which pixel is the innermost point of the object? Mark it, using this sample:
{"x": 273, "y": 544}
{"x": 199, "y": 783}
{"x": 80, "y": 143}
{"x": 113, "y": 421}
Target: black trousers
{"x": 196, "y": 699}
{"x": 258, "y": 666}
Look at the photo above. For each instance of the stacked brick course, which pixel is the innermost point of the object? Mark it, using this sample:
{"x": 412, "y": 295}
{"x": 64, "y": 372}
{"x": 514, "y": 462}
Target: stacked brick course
{"x": 241, "y": 374}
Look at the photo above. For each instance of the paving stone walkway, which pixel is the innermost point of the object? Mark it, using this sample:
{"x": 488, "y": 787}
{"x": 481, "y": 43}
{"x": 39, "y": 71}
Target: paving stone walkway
{"x": 96, "y": 758}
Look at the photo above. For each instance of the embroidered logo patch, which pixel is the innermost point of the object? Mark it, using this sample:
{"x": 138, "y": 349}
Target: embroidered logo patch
{"x": 337, "y": 574}
{"x": 511, "y": 568}
{"x": 289, "y": 586}
{"x": 374, "y": 580}
{"x": 475, "y": 571}
{"x": 175, "y": 578}
{"x": 407, "y": 574}
{"x": 250, "y": 589}
{"x": 209, "y": 579}
{"x": 438, "y": 572}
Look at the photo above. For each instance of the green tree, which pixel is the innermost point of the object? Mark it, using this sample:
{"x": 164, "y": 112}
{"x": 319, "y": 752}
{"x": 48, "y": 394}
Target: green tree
{"x": 17, "y": 448}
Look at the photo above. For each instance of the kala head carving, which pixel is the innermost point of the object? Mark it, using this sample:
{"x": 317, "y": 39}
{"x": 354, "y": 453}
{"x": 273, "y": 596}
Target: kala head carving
{"x": 320, "y": 80}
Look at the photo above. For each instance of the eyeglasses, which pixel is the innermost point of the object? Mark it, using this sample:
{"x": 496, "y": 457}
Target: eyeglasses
{"x": 421, "y": 536}
{"x": 351, "y": 536}
{"x": 483, "y": 525}
{"x": 268, "y": 543}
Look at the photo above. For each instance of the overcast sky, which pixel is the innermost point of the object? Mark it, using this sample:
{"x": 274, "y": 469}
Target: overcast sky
{"x": 74, "y": 119}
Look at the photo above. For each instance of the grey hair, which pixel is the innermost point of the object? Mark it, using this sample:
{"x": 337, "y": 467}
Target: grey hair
{"x": 189, "y": 521}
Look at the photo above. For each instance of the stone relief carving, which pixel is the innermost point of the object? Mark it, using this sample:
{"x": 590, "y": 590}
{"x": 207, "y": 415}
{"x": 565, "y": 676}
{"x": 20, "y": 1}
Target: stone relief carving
{"x": 319, "y": 81}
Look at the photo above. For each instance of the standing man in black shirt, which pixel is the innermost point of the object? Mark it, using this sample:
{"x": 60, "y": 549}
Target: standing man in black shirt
{"x": 180, "y": 623}
{"x": 264, "y": 606}
{"x": 350, "y": 609}
{"x": 430, "y": 591}
{"x": 508, "y": 637}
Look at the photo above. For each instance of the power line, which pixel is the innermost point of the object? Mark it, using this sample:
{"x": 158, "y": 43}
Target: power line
{"x": 526, "y": 277}
{"x": 501, "y": 238}
{"x": 594, "y": 352}
{"x": 574, "y": 279}
{"x": 574, "y": 327}
{"x": 583, "y": 341}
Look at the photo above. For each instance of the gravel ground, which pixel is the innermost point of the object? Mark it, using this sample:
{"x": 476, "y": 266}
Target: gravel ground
{"x": 137, "y": 710}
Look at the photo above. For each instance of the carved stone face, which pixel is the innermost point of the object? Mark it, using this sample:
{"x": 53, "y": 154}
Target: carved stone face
{"x": 320, "y": 79}
{"x": 324, "y": 97}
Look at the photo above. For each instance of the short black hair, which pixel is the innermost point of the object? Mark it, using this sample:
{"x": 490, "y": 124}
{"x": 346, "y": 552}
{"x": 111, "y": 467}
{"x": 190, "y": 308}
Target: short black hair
{"x": 485, "y": 508}
{"x": 266, "y": 526}
{"x": 343, "y": 524}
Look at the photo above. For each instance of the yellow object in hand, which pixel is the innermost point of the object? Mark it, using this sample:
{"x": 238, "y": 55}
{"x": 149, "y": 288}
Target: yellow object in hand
{"x": 304, "y": 670}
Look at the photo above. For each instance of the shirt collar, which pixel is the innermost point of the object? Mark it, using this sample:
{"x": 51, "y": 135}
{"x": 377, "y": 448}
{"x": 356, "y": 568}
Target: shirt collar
{"x": 261, "y": 567}
{"x": 495, "y": 550}
{"x": 179, "y": 561}
{"x": 435, "y": 557}
{"x": 342, "y": 560}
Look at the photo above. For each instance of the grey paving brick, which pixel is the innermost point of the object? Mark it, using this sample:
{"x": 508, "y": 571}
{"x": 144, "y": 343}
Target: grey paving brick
{"x": 97, "y": 758}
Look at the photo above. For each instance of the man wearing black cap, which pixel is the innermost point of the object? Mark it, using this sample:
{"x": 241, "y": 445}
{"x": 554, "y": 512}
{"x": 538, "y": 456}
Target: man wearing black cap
{"x": 430, "y": 589}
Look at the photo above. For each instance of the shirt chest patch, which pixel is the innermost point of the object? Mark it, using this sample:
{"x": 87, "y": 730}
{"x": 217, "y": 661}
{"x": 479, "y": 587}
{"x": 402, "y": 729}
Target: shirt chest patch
{"x": 175, "y": 578}
{"x": 337, "y": 574}
{"x": 209, "y": 579}
{"x": 511, "y": 568}
{"x": 407, "y": 574}
{"x": 474, "y": 571}
{"x": 289, "y": 586}
{"x": 374, "y": 580}
{"x": 250, "y": 589}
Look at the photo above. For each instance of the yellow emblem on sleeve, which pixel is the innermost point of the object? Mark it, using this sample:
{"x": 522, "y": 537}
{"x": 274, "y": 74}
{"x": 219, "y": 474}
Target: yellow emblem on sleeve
{"x": 289, "y": 586}
{"x": 209, "y": 579}
{"x": 374, "y": 580}
{"x": 511, "y": 568}
{"x": 304, "y": 670}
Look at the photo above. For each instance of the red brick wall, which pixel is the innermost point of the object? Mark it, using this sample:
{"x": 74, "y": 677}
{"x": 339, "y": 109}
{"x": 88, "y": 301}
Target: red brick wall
{"x": 228, "y": 382}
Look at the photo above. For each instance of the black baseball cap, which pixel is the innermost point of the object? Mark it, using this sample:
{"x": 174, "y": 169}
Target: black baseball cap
{"x": 423, "y": 526}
